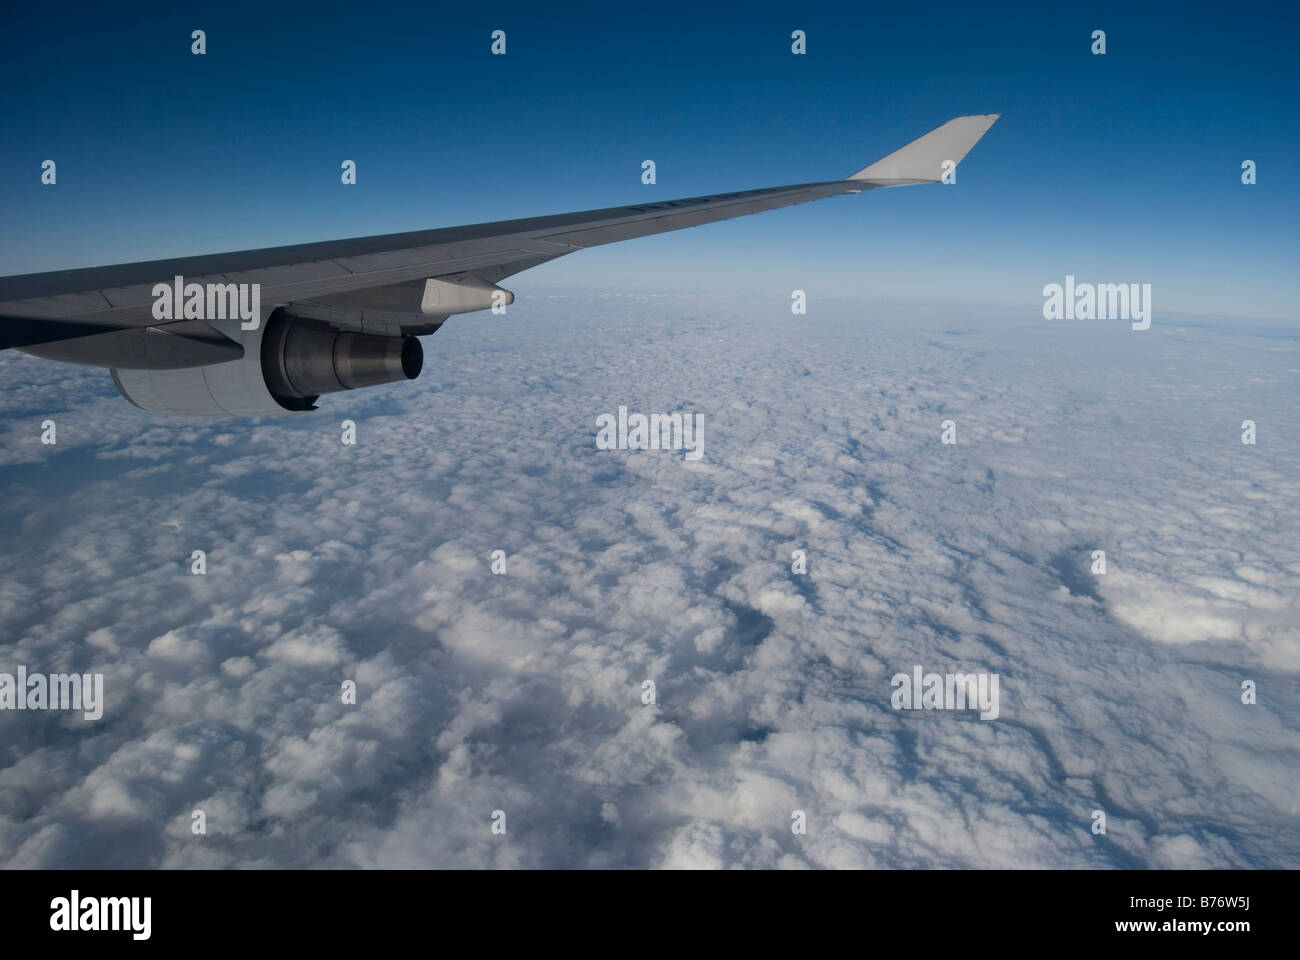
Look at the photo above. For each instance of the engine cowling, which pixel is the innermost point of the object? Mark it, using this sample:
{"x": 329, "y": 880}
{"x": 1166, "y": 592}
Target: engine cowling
{"x": 288, "y": 363}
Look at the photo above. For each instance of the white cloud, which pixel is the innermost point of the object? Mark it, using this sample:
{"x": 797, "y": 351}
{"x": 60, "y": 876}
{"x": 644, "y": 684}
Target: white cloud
{"x": 522, "y": 692}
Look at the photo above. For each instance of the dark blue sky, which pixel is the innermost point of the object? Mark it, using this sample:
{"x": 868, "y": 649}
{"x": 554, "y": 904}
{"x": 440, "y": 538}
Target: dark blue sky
{"x": 1116, "y": 168}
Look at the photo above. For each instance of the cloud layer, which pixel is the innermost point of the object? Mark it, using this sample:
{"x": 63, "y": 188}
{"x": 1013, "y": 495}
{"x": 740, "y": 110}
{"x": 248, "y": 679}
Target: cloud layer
{"x": 522, "y": 692}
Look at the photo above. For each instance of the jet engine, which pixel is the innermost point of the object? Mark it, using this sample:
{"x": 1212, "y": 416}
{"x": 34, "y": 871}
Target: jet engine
{"x": 288, "y": 363}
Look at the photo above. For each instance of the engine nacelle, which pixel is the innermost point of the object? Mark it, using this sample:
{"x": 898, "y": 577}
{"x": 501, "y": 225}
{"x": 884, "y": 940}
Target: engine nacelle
{"x": 288, "y": 363}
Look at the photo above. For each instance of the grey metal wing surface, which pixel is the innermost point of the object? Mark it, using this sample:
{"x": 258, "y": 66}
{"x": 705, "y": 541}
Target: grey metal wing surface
{"x": 267, "y": 332}
{"x": 370, "y": 283}
{"x": 379, "y": 284}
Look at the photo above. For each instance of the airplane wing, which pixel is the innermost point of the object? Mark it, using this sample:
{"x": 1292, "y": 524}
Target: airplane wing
{"x": 382, "y": 284}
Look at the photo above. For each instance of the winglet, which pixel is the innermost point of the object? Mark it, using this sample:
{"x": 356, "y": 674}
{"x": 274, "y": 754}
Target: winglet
{"x": 922, "y": 160}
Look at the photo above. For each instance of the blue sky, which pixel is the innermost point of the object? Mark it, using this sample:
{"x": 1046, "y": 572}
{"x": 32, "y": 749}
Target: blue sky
{"x": 1122, "y": 168}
